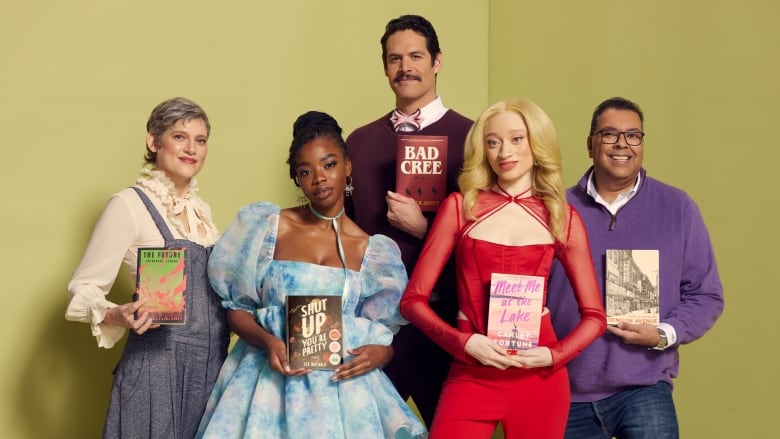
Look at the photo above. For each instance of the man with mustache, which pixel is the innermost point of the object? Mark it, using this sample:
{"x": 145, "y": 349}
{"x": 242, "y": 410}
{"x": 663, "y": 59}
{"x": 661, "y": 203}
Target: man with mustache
{"x": 412, "y": 59}
{"x": 621, "y": 384}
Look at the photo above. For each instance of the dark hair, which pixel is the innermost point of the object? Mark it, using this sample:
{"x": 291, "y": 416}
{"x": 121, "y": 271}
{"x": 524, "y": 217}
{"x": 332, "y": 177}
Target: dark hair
{"x": 617, "y": 103}
{"x": 309, "y": 126}
{"x": 166, "y": 114}
{"x": 416, "y": 23}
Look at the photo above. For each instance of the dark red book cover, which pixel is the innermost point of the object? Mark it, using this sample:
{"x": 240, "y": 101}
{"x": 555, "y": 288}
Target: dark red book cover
{"x": 421, "y": 169}
{"x": 314, "y": 326}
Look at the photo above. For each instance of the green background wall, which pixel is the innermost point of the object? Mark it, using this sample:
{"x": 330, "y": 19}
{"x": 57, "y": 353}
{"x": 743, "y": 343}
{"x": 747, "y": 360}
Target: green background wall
{"x": 78, "y": 81}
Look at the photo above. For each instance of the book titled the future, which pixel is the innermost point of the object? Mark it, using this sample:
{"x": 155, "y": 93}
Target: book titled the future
{"x": 632, "y": 286}
{"x": 314, "y": 331}
{"x": 515, "y": 310}
{"x": 162, "y": 281}
{"x": 421, "y": 169}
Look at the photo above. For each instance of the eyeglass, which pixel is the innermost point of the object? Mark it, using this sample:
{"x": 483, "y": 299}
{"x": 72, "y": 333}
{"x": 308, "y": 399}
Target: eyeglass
{"x": 633, "y": 138}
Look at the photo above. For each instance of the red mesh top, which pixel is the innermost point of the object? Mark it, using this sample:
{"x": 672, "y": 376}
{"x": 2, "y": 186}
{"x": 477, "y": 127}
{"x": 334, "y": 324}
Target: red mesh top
{"x": 477, "y": 259}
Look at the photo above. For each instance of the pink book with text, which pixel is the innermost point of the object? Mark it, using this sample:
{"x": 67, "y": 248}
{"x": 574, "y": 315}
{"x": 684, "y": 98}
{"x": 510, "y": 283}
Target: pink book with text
{"x": 515, "y": 310}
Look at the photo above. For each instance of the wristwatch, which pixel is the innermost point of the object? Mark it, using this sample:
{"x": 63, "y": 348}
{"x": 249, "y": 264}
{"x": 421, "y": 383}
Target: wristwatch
{"x": 662, "y": 340}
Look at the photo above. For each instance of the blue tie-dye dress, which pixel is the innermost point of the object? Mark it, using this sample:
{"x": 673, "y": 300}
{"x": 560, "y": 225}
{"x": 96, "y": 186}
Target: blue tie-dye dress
{"x": 250, "y": 400}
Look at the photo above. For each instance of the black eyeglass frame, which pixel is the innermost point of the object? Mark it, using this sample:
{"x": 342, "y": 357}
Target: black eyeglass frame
{"x": 619, "y": 133}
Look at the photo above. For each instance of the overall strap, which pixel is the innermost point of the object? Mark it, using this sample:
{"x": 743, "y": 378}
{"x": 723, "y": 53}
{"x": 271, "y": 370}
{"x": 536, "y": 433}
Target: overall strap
{"x": 158, "y": 219}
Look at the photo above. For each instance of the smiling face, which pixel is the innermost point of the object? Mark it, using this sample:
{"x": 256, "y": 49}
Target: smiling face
{"x": 410, "y": 70}
{"x": 181, "y": 150}
{"x": 321, "y": 170}
{"x": 508, "y": 151}
{"x": 616, "y": 165}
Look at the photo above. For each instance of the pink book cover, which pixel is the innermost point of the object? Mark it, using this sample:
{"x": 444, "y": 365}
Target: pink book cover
{"x": 161, "y": 279}
{"x": 421, "y": 169}
{"x": 515, "y": 310}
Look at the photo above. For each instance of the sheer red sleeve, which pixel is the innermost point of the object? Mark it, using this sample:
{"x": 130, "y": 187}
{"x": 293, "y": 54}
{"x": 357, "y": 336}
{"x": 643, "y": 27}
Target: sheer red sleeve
{"x": 436, "y": 251}
{"x": 576, "y": 260}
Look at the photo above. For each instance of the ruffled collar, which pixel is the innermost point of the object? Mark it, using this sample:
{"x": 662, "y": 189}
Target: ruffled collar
{"x": 156, "y": 182}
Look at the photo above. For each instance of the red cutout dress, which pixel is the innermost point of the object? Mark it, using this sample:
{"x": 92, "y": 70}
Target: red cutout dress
{"x": 528, "y": 402}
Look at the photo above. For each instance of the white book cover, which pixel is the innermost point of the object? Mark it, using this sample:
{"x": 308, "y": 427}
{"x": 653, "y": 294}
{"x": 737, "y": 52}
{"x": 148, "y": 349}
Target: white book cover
{"x": 632, "y": 286}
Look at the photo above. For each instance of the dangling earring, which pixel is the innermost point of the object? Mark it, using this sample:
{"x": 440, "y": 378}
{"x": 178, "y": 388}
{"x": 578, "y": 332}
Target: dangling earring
{"x": 302, "y": 200}
{"x": 349, "y": 188}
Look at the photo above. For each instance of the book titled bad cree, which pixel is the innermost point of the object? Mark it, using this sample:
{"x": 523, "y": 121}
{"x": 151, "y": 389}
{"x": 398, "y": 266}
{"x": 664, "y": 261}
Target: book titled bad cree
{"x": 161, "y": 279}
{"x": 421, "y": 169}
{"x": 515, "y": 310}
{"x": 632, "y": 286}
{"x": 314, "y": 331}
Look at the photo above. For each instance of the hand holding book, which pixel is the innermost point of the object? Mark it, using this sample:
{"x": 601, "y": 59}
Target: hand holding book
{"x": 489, "y": 353}
{"x": 125, "y": 316}
{"x": 365, "y": 359}
{"x": 642, "y": 334}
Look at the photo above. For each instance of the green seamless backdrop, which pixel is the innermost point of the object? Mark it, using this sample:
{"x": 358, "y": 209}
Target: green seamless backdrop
{"x": 78, "y": 80}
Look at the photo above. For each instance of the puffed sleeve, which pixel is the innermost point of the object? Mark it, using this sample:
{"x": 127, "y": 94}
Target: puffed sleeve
{"x": 242, "y": 255}
{"x": 383, "y": 279}
{"x": 114, "y": 233}
{"x": 576, "y": 260}
{"x": 437, "y": 249}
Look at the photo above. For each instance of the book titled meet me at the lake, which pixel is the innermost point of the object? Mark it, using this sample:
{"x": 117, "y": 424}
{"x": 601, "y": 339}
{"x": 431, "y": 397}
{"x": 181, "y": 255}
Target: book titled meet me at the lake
{"x": 421, "y": 169}
{"x": 515, "y": 310}
{"x": 161, "y": 279}
{"x": 314, "y": 331}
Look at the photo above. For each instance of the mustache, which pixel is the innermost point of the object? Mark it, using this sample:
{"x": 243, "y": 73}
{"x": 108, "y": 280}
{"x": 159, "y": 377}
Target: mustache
{"x": 401, "y": 76}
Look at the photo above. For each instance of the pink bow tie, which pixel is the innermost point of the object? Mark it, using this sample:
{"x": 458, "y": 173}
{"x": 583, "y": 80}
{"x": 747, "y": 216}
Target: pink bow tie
{"x": 404, "y": 123}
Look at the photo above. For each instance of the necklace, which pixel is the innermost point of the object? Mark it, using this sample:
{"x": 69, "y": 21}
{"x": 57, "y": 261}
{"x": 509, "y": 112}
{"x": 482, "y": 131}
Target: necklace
{"x": 335, "y": 223}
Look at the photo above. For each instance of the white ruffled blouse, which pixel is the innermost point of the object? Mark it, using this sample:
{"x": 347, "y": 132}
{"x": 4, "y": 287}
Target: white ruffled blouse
{"x": 123, "y": 227}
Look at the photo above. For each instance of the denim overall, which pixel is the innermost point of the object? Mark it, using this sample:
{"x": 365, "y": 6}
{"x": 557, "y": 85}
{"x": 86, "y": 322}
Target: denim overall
{"x": 165, "y": 376}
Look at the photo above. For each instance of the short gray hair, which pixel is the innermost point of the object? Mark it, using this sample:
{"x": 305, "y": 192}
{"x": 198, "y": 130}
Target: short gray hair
{"x": 169, "y": 112}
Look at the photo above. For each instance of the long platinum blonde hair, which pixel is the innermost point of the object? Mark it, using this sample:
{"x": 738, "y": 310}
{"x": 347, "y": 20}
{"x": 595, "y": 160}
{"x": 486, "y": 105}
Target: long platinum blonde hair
{"x": 547, "y": 178}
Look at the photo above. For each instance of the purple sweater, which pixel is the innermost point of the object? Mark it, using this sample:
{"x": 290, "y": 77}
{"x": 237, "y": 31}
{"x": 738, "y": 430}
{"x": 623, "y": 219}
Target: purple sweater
{"x": 659, "y": 217}
{"x": 372, "y": 149}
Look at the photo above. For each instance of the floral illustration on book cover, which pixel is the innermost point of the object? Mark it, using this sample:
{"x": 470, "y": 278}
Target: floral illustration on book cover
{"x": 161, "y": 279}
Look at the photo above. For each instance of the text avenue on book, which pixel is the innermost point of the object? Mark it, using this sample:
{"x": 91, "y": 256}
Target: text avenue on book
{"x": 632, "y": 286}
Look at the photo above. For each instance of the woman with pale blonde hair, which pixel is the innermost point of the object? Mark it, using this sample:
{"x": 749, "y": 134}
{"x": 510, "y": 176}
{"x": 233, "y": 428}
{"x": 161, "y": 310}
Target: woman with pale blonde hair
{"x": 510, "y": 218}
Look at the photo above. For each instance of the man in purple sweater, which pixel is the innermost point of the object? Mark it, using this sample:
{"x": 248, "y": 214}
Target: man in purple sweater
{"x": 412, "y": 59}
{"x": 622, "y": 383}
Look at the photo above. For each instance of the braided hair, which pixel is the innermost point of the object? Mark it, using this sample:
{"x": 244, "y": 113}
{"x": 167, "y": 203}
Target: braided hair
{"x": 309, "y": 126}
